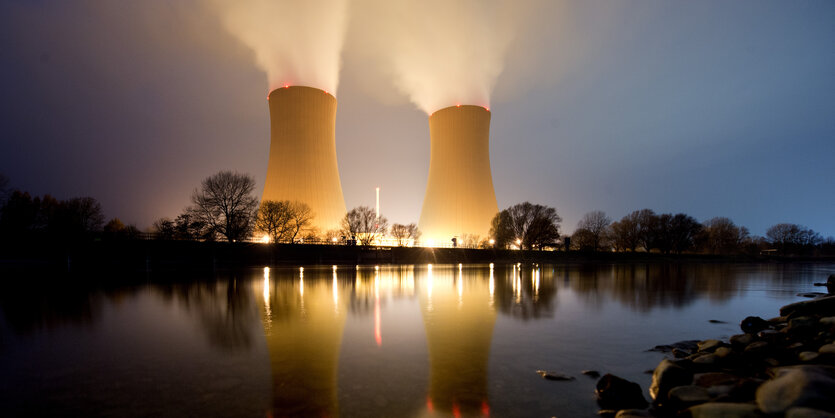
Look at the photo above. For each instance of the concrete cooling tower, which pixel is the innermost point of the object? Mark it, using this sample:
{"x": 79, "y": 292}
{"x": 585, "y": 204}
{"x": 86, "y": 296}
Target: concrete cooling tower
{"x": 302, "y": 165}
{"x": 459, "y": 193}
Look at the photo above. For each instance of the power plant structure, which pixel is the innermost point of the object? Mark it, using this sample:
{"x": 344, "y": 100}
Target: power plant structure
{"x": 460, "y": 199}
{"x": 302, "y": 163}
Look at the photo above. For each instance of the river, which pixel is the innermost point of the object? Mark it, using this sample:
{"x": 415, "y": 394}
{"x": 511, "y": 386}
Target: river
{"x": 392, "y": 340}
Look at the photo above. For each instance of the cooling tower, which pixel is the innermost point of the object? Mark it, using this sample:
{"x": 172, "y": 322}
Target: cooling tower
{"x": 302, "y": 165}
{"x": 459, "y": 194}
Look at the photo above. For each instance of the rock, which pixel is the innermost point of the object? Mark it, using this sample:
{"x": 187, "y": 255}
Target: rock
{"x": 608, "y": 413}
{"x": 757, "y": 347}
{"x": 820, "y": 284}
{"x": 705, "y": 360}
{"x": 724, "y": 410}
{"x": 827, "y": 349}
{"x": 554, "y": 375}
{"x": 753, "y": 324}
{"x": 716, "y": 321}
{"x": 591, "y": 373}
{"x": 806, "y": 385}
{"x": 709, "y": 345}
{"x": 824, "y": 306}
{"x": 616, "y": 393}
{"x": 680, "y": 353}
{"x": 723, "y": 352}
{"x": 801, "y": 412}
{"x": 632, "y": 413}
{"x": 714, "y": 379}
{"x": 808, "y": 356}
{"x": 667, "y": 376}
{"x": 811, "y": 294}
{"x": 831, "y": 280}
{"x": 745, "y": 390}
{"x": 685, "y": 396}
{"x": 803, "y": 325}
{"x": 741, "y": 339}
{"x": 828, "y": 321}
{"x": 689, "y": 346}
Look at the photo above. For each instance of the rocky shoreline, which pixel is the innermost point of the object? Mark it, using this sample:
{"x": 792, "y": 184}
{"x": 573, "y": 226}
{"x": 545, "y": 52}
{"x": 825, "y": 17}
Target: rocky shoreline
{"x": 779, "y": 367}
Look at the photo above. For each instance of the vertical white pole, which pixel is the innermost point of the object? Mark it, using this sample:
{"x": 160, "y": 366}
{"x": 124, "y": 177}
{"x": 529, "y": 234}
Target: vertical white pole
{"x": 378, "y": 203}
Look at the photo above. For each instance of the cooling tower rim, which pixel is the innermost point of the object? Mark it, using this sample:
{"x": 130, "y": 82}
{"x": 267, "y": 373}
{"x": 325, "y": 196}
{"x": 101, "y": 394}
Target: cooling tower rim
{"x": 296, "y": 87}
{"x": 461, "y": 106}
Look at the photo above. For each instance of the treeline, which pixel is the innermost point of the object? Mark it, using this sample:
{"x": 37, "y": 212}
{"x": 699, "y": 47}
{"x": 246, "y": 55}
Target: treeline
{"x": 224, "y": 208}
{"x": 644, "y": 230}
{"x": 533, "y": 226}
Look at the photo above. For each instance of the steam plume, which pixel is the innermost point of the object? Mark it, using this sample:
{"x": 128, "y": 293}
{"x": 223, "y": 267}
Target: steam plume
{"x": 439, "y": 52}
{"x": 295, "y": 42}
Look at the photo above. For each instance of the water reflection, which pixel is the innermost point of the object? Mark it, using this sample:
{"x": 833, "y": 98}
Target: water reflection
{"x": 303, "y": 318}
{"x": 301, "y": 314}
{"x": 458, "y": 315}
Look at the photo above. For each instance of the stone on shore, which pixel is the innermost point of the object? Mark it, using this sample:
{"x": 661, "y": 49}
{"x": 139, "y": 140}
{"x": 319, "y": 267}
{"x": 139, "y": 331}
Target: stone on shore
{"x": 709, "y": 345}
{"x": 827, "y": 349}
{"x": 806, "y": 386}
{"x": 632, "y": 413}
{"x": 824, "y": 306}
{"x": 724, "y": 410}
{"x": 616, "y": 393}
{"x": 684, "y": 396}
{"x": 801, "y": 412}
{"x": 667, "y": 376}
{"x": 554, "y": 375}
{"x": 753, "y": 324}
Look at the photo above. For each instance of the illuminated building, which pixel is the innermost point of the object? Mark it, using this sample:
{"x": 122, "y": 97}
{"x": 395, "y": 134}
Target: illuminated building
{"x": 459, "y": 193}
{"x": 302, "y": 164}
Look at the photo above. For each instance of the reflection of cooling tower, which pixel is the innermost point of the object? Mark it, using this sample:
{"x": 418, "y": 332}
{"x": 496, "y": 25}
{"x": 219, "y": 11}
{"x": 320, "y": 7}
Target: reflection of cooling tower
{"x": 302, "y": 165}
{"x": 459, "y": 318}
{"x": 459, "y": 194}
{"x": 303, "y": 325}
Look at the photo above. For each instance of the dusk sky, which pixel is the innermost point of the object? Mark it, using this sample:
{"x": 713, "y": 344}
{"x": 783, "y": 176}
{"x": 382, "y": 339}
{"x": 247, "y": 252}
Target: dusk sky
{"x": 711, "y": 108}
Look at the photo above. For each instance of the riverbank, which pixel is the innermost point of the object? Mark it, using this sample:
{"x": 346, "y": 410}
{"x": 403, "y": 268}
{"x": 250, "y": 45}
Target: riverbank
{"x": 160, "y": 256}
{"x": 779, "y": 367}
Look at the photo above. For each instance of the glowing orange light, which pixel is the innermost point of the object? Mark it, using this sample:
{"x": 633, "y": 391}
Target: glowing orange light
{"x": 429, "y": 405}
{"x": 486, "y": 108}
{"x": 485, "y": 409}
{"x": 286, "y": 86}
{"x": 458, "y": 105}
{"x": 378, "y": 331}
{"x": 456, "y": 410}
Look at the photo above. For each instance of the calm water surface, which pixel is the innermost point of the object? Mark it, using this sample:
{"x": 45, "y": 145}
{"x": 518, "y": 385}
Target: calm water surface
{"x": 442, "y": 340}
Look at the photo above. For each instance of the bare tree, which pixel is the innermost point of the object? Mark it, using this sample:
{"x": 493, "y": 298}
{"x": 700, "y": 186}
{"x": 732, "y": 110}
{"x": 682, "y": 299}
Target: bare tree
{"x": 501, "y": 230}
{"x": 596, "y": 223}
{"x": 792, "y": 237}
{"x": 363, "y": 224}
{"x": 403, "y": 233}
{"x": 534, "y": 226}
{"x": 684, "y": 230}
{"x": 225, "y": 203}
{"x": 274, "y": 219}
{"x": 301, "y": 220}
{"x": 721, "y": 236}
{"x": 283, "y": 220}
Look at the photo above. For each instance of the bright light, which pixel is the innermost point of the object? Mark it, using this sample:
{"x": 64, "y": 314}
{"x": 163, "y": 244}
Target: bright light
{"x": 518, "y": 241}
{"x": 265, "y": 239}
{"x": 492, "y": 241}
{"x": 333, "y": 239}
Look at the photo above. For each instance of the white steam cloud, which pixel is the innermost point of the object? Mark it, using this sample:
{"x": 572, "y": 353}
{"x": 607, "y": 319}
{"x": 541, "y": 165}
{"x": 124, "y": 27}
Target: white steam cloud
{"x": 296, "y": 42}
{"x": 439, "y": 52}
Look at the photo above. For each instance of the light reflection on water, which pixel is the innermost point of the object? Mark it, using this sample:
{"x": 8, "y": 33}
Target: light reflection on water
{"x": 442, "y": 340}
